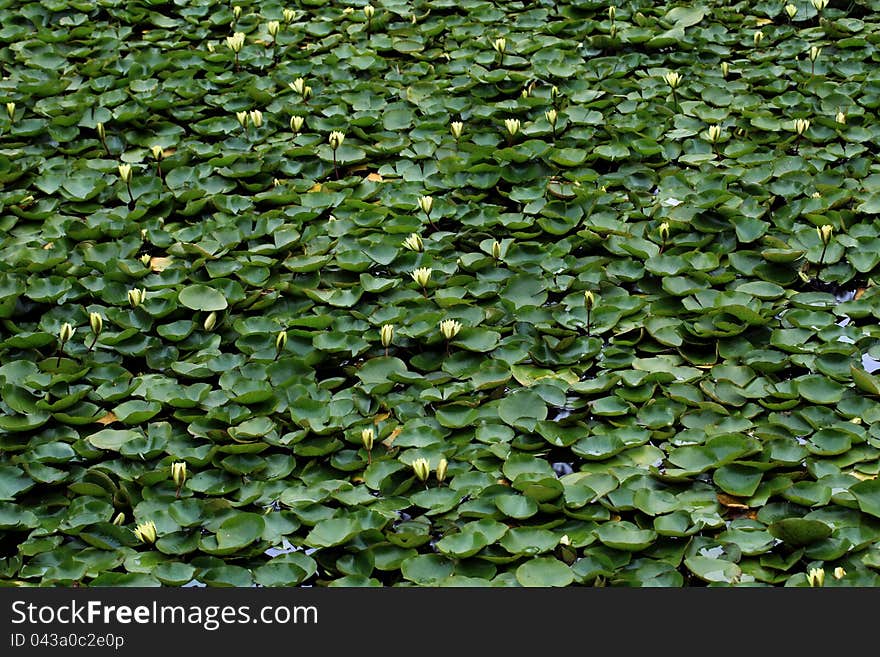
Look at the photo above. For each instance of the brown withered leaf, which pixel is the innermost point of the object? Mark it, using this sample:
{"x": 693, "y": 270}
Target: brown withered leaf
{"x": 159, "y": 263}
{"x": 390, "y": 439}
{"x": 375, "y": 177}
{"x": 109, "y": 418}
{"x": 730, "y": 502}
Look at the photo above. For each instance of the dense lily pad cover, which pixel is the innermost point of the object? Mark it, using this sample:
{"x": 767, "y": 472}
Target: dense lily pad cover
{"x": 651, "y": 229}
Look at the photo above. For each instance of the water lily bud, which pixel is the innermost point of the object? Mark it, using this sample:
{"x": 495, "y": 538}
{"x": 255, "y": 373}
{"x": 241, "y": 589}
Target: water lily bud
{"x": 386, "y": 333}
{"x": 10, "y": 110}
{"x": 256, "y": 117}
{"x": 456, "y": 127}
{"x": 272, "y": 28}
{"x": 564, "y": 540}
{"x": 450, "y": 328}
{"x": 512, "y": 126}
{"x": 840, "y": 118}
{"x": 119, "y": 519}
{"x": 791, "y": 10}
{"x": 421, "y": 276}
{"x": 612, "y": 31}
{"x": 210, "y": 321}
{"x": 825, "y": 232}
{"x": 612, "y": 12}
{"x": 426, "y": 203}
{"x": 298, "y": 85}
{"x": 235, "y": 42}
{"x": 296, "y": 123}
{"x": 66, "y": 332}
{"x": 758, "y": 37}
{"x": 242, "y": 118}
{"x": 367, "y": 438}
{"x": 551, "y": 115}
{"x": 589, "y": 299}
{"x": 102, "y": 134}
{"x": 158, "y": 152}
{"x": 673, "y": 79}
{"x": 499, "y": 45}
{"x": 839, "y": 573}
{"x": 725, "y": 69}
{"x": 496, "y": 249}
{"x": 146, "y": 532}
{"x": 145, "y": 259}
{"x": 288, "y": 14}
{"x": 369, "y": 10}
{"x": 236, "y": 12}
{"x": 307, "y": 92}
{"x": 96, "y": 322}
{"x": 664, "y": 231}
{"x": 280, "y": 341}
{"x": 441, "y": 470}
{"x": 414, "y": 242}
{"x": 815, "y": 51}
{"x": 801, "y": 126}
{"x": 125, "y": 172}
{"x": 554, "y": 93}
{"x": 335, "y": 139}
{"x": 136, "y": 297}
{"x": 819, "y": 5}
{"x": 421, "y": 468}
{"x": 714, "y": 133}
{"x": 178, "y": 473}
{"x": 816, "y": 576}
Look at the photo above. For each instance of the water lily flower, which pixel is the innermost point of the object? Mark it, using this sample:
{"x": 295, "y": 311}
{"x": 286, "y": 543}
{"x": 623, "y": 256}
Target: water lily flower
{"x": 178, "y": 473}
{"x": 825, "y": 232}
{"x": 146, "y": 532}
{"x": 663, "y": 230}
{"x": 450, "y": 328}
{"x": 426, "y": 203}
{"x": 714, "y": 133}
{"x": 551, "y": 116}
{"x": 499, "y": 45}
{"x": 386, "y": 333}
{"x": 421, "y": 468}
{"x": 839, "y": 573}
{"x": 456, "y": 128}
{"x": 66, "y": 332}
{"x": 758, "y": 37}
{"x": 496, "y": 249}
{"x": 242, "y": 119}
{"x": 512, "y": 126}
{"x": 816, "y": 576}
{"x": 236, "y": 12}
{"x": 673, "y": 79}
{"x": 840, "y": 118}
{"x": 367, "y": 438}
{"x": 819, "y": 5}
{"x": 288, "y": 14}
{"x": 256, "y": 117}
{"x": 272, "y": 27}
{"x": 96, "y": 322}
{"x": 441, "y": 470}
{"x": 235, "y": 42}
{"x": 335, "y": 139}
{"x": 414, "y": 242}
{"x": 815, "y": 51}
{"x": 125, "y": 172}
{"x": 298, "y": 85}
{"x": 136, "y": 297}
{"x": 369, "y": 10}
{"x": 421, "y": 276}
{"x": 296, "y": 123}
{"x": 157, "y": 151}
{"x": 801, "y": 126}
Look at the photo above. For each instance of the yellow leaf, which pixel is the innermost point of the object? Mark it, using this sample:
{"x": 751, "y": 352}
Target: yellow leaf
{"x": 159, "y": 263}
{"x": 317, "y": 187}
{"x": 375, "y": 177}
{"x": 109, "y": 418}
